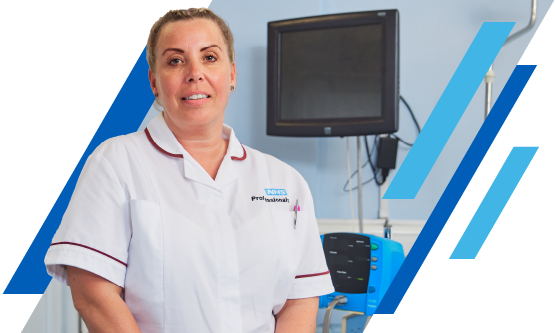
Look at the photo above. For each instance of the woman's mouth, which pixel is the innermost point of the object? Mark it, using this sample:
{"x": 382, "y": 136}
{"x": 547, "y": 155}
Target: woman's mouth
{"x": 195, "y": 97}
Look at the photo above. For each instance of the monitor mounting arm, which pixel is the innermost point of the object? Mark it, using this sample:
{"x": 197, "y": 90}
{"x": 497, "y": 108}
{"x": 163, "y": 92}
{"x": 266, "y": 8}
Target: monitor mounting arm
{"x": 490, "y": 75}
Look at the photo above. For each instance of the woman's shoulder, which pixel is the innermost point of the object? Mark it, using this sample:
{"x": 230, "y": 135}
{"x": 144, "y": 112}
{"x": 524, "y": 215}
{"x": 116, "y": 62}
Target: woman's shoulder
{"x": 276, "y": 174}
{"x": 276, "y": 168}
{"x": 120, "y": 147}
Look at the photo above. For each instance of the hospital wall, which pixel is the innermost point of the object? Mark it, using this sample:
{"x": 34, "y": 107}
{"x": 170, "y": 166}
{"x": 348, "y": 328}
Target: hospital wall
{"x": 434, "y": 37}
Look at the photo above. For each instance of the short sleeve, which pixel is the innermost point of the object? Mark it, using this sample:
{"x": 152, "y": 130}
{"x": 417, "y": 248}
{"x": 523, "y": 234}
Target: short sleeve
{"x": 95, "y": 231}
{"x": 313, "y": 276}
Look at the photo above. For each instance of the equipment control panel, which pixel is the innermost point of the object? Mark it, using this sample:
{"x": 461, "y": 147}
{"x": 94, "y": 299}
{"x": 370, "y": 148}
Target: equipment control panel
{"x": 361, "y": 267}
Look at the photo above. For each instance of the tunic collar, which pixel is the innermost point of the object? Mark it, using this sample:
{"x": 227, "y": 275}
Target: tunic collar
{"x": 163, "y": 139}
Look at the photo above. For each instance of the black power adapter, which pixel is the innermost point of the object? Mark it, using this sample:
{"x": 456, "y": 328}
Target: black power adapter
{"x": 387, "y": 153}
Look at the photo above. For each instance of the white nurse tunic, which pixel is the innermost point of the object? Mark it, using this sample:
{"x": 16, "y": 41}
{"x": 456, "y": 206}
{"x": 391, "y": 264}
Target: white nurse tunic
{"x": 193, "y": 254}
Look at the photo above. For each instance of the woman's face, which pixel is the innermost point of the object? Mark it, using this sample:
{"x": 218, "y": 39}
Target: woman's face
{"x": 193, "y": 75}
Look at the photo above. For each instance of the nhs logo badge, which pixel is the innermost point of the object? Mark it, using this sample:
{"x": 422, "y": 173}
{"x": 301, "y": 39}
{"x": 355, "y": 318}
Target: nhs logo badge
{"x": 275, "y": 191}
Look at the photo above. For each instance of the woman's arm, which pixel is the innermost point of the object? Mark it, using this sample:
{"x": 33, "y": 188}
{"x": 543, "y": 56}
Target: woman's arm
{"x": 99, "y": 303}
{"x": 298, "y": 316}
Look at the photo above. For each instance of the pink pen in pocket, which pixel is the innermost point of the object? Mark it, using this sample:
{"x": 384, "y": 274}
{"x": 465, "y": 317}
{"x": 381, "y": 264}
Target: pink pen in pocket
{"x": 296, "y": 209}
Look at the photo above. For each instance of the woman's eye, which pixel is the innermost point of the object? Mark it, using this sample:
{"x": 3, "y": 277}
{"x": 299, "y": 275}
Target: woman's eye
{"x": 210, "y": 58}
{"x": 175, "y": 61}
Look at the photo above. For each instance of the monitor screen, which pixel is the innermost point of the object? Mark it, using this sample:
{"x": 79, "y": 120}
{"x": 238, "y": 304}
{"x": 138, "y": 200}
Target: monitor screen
{"x": 334, "y": 75}
{"x": 331, "y": 73}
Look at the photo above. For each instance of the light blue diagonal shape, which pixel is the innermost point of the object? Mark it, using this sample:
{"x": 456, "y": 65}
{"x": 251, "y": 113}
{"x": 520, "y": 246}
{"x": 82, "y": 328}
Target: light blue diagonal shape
{"x": 448, "y": 110}
{"x": 455, "y": 189}
{"x": 494, "y": 202}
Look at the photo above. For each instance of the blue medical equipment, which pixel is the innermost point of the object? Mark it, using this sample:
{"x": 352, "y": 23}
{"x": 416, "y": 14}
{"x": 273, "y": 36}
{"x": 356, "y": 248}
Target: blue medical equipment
{"x": 361, "y": 267}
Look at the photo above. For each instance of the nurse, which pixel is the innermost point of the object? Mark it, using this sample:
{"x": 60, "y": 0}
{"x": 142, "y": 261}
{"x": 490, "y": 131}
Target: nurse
{"x": 180, "y": 227}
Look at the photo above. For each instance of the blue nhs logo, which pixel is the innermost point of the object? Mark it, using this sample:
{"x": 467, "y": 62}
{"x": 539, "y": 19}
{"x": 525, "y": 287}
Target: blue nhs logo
{"x": 275, "y": 191}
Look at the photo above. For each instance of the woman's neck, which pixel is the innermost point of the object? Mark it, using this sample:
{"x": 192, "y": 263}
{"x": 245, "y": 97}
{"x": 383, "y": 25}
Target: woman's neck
{"x": 204, "y": 143}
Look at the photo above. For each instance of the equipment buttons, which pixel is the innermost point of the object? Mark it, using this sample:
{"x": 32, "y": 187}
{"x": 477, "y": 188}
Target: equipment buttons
{"x": 371, "y": 289}
{"x": 374, "y": 246}
{"x": 374, "y": 259}
{"x": 374, "y": 267}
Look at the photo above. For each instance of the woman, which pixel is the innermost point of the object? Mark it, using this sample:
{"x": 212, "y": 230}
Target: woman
{"x": 180, "y": 228}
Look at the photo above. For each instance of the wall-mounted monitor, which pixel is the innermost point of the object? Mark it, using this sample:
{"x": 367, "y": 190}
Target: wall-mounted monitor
{"x": 334, "y": 75}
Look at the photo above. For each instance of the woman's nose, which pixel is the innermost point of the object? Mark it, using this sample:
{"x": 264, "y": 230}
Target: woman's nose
{"x": 195, "y": 74}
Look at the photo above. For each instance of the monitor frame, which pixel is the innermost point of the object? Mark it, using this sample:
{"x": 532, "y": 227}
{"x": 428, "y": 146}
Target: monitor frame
{"x": 386, "y": 124}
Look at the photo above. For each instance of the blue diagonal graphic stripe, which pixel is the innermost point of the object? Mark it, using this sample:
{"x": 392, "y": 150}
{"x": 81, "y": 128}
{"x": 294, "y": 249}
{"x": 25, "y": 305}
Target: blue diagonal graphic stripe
{"x": 455, "y": 189}
{"x": 448, "y": 110}
{"x": 494, "y": 202}
{"x": 125, "y": 116}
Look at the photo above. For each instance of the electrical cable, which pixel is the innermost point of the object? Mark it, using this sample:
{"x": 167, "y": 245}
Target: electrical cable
{"x": 350, "y": 185}
{"x": 369, "y": 153}
{"x": 353, "y": 174}
{"x": 341, "y": 299}
{"x": 402, "y": 141}
{"x": 413, "y": 118}
{"x": 411, "y": 114}
{"x": 356, "y": 187}
{"x": 375, "y": 170}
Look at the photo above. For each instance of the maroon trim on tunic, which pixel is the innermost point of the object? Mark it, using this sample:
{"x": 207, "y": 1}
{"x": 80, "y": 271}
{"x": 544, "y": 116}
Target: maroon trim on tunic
{"x": 90, "y": 248}
{"x": 180, "y": 155}
{"x": 309, "y": 275}
{"x": 158, "y": 147}
{"x": 240, "y": 158}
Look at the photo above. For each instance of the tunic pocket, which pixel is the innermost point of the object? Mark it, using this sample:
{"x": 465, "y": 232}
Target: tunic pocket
{"x": 144, "y": 291}
{"x": 291, "y": 238}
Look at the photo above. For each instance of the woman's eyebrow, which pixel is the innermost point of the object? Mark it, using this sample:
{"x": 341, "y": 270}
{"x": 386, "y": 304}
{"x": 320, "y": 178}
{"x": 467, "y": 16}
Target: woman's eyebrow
{"x": 173, "y": 49}
{"x": 207, "y": 47}
{"x": 181, "y": 51}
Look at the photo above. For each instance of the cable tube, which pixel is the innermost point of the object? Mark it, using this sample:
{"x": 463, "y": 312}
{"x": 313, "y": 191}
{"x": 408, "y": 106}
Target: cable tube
{"x": 350, "y": 185}
{"x": 341, "y": 299}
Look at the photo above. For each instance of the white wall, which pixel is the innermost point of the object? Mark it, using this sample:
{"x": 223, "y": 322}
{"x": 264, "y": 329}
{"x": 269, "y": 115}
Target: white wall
{"x": 434, "y": 36}
{"x": 54, "y": 313}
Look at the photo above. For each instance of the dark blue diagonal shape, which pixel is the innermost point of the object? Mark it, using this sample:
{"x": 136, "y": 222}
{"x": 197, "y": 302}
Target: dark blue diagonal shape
{"x": 125, "y": 116}
{"x": 455, "y": 189}
{"x": 448, "y": 110}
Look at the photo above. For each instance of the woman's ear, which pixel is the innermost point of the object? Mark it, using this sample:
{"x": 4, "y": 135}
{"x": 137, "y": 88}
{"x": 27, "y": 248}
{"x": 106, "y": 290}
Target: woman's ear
{"x": 233, "y": 75}
{"x": 152, "y": 80}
